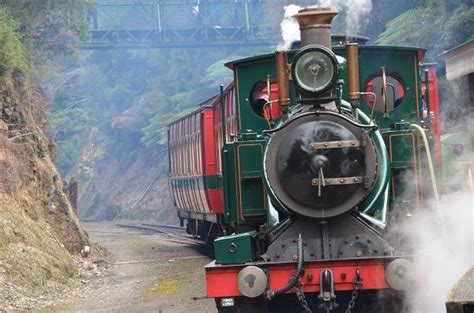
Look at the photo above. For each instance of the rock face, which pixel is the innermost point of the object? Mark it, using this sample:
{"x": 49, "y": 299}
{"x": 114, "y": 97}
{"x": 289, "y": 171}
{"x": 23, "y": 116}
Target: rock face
{"x": 39, "y": 230}
{"x": 135, "y": 189}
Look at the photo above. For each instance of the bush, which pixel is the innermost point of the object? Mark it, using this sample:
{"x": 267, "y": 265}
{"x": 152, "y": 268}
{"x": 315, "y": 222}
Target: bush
{"x": 12, "y": 51}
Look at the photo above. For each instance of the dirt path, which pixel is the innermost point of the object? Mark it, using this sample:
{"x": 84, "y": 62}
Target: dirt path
{"x": 146, "y": 273}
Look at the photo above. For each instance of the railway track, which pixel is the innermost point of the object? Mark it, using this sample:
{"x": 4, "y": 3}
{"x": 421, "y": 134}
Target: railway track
{"x": 177, "y": 233}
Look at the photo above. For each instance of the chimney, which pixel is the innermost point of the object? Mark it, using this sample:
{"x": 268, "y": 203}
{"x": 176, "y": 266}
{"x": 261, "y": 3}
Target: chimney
{"x": 315, "y": 26}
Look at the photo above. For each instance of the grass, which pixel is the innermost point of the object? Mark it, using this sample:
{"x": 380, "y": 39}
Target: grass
{"x": 166, "y": 287}
{"x": 135, "y": 245}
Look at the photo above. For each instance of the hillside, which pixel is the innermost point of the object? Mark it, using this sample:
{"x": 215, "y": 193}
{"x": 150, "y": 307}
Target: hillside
{"x": 39, "y": 229}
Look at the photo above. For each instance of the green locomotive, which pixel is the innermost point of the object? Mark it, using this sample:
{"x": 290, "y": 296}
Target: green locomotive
{"x": 302, "y": 166}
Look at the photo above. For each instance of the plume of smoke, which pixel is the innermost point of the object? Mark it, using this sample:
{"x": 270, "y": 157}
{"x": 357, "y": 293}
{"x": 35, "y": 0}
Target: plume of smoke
{"x": 289, "y": 28}
{"x": 442, "y": 261}
{"x": 441, "y": 258}
{"x": 356, "y": 12}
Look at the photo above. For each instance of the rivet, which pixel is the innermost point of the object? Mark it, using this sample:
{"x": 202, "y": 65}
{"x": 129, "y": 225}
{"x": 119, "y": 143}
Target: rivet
{"x": 339, "y": 144}
{"x": 294, "y": 257}
{"x": 353, "y": 143}
{"x": 356, "y": 180}
{"x": 327, "y": 181}
{"x": 357, "y": 237}
{"x": 325, "y": 144}
{"x": 342, "y": 180}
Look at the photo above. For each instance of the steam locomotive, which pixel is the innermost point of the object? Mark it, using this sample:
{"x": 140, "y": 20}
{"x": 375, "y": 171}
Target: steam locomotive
{"x": 303, "y": 167}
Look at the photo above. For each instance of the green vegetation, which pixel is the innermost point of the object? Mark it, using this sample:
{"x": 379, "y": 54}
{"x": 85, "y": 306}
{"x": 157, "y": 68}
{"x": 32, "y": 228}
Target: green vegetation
{"x": 12, "y": 52}
{"x": 50, "y": 28}
{"x": 166, "y": 287}
{"x": 436, "y": 25}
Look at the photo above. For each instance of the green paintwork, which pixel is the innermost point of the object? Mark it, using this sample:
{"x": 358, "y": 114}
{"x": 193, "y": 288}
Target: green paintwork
{"x": 399, "y": 62}
{"x": 245, "y": 200}
{"x": 212, "y": 182}
{"x": 246, "y": 77}
{"x": 237, "y": 248}
{"x": 376, "y": 201}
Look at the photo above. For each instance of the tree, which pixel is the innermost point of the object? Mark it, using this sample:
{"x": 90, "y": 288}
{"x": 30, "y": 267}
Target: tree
{"x": 438, "y": 26}
{"x": 50, "y": 28}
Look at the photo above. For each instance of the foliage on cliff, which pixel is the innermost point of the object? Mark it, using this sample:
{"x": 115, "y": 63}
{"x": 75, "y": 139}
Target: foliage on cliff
{"x": 436, "y": 25}
{"x": 50, "y": 28}
{"x": 12, "y": 51}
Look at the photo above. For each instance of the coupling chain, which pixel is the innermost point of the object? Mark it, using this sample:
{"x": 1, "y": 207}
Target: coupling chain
{"x": 302, "y": 299}
{"x": 357, "y": 283}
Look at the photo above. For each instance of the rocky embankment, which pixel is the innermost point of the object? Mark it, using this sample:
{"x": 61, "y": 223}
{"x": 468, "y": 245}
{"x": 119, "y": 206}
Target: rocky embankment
{"x": 39, "y": 229}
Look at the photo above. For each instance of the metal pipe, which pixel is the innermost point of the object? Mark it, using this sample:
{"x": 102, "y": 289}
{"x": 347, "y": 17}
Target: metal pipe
{"x": 247, "y": 19}
{"x": 281, "y": 61}
{"x": 353, "y": 76}
{"x": 158, "y": 14}
{"x": 223, "y": 122}
{"x": 270, "y": 294}
{"x": 427, "y": 93}
{"x": 430, "y": 160}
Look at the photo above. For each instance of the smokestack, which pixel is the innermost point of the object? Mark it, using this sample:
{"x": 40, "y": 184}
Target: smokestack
{"x": 315, "y": 26}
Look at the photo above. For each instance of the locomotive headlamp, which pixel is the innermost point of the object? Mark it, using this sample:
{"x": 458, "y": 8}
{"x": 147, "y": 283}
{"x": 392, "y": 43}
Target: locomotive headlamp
{"x": 315, "y": 69}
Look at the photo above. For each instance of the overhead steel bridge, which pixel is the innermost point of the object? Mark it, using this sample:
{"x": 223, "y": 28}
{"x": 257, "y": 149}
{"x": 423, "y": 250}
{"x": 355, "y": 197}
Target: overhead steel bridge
{"x": 122, "y": 24}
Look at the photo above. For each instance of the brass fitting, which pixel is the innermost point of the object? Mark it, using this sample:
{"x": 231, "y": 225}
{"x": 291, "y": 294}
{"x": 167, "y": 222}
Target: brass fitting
{"x": 281, "y": 61}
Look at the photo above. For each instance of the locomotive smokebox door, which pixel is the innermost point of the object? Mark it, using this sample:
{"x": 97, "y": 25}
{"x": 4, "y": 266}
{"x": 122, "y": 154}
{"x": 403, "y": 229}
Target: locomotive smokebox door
{"x": 321, "y": 164}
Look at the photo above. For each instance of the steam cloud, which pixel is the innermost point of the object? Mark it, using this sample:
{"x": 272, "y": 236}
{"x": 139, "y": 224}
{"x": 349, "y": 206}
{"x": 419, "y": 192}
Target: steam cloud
{"x": 440, "y": 260}
{"x": 289, "y": 27}
{"x": 356, "y": 14}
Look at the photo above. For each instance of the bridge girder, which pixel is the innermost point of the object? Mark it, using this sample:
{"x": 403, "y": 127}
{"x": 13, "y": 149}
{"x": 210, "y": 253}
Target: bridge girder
{"x": 183, "y": 23}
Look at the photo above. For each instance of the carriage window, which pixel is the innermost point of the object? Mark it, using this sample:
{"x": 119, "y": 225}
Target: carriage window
{"x": 395, "y": 93}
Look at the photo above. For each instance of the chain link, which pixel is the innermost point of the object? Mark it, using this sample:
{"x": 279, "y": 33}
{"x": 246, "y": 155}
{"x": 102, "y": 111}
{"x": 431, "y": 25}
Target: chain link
{"x": 357, "y": 282}
{"x": 302, "y": 299}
